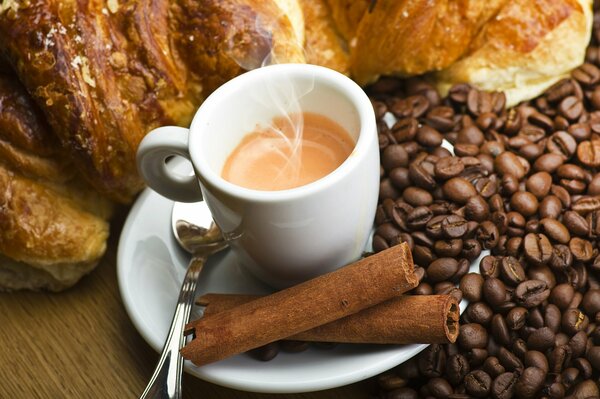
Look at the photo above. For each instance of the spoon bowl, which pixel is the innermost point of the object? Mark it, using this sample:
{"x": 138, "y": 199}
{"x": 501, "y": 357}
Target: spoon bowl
{"x": 196, "y": 232}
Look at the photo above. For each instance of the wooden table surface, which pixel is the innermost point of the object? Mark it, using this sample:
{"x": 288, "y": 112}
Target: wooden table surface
{"x": 81, "y": 344}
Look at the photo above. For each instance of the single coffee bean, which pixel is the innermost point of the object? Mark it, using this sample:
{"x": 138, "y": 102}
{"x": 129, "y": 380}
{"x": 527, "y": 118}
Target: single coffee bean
{"x": 537, "y": 248}
{"x": 494, "y": 291}
{"x": 555, "y": 230}
{"x": 562, "y": 194}
{"x": 488, "y": 234}
{"x": 428, "y": 136}
{"x": 490, "y": 266}
{"x": 530, "y": 382}
{"x": 584, "y": 366}
{"x": 471, "y": 285}
{"x": 442, "y": 269}
{"x": 581, "y": 249}
{"x": 559, "y": 358}
{"x": 524, "y": 202}
{"x": 562, "y": 295}
{"x": 550, "y": 207}
{"x": 266, "y": 352}
{"x": 472, "y": 335}
{"x": 578, "y": 343}
{"x": 585, "y": 389}
{"x": 539, "y": 184}
{"x": 454, "y": 226}
{"x": 439, "y": 387}
{"x": 399, "y": 178}
{"x": 416, "y": 196}
{"x": 421, "y": 176}
{"x": 531, "y": 293}
{"x": 571, "y": 108}
{"x": 516, "y": 318}
{"x": 477, "y": 209}
{"x": 541, "y": 339}
{"x": 552, "y": 317}
{"x": 479, "y": 312}
{"x": 562, "y": 143}
{"x": 402, "y": 393}
{"x": 548, "y": 162}
{"x": 591, "y": 301}
{"x": 576, "y": 223}
{"x": 448, "y": 248}
{"x": 457, "y": 367}
{"x": 561, "y": 258}
{"x": 503, "y": 386}
{"x": 449, "y": 167}
{"x": 586, "y": 205}
{"x": 515, "y": 224}
{"x": 511, "y": 270}
{"x": 508, "y": 163}
{"x": 573, "y": 321}
{"x": 542, "y": 273}
{"x": 478, "y": 383}
{"x": 387, "y": 190}
{"x": 534, "y": 358}
{"x": 500, "y": 330}
{"x": 394, "y": 156}
{"x": 432, "y": 361}
{"x": 459, "y": 190}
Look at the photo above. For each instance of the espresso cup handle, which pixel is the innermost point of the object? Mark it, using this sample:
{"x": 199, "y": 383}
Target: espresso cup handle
{"x": 154, "y": 150}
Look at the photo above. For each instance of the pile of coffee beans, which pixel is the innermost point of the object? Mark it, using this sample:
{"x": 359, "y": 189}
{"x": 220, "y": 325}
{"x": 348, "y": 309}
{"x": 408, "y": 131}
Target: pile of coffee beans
{"x": 522, "y": 183}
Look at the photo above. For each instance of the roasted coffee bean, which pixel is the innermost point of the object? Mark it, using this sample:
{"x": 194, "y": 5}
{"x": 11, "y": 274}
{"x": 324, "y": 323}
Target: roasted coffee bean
{"x": 416, "y": 196}
{"x": 477, "y": 208}
{"x": 459, "y": 190}
{"x": 562, "y": 295}
{"x": 578, "y": 343}
{"x": 586, "y": 205}
{"x": 530, "y": 382}
{"x": 394, "y": 156}
{"x": 516, "y": 318}
{"x": 471, "y": 249}
{"x": 584, "y": 366}
{"x": 571, "y": 108}
{"x": 524, "y": 202}
{"x": 471, "y": 285}
{"x": 500, "y": 330}
{"x": 448, "y": 167}
{"x": 421, "y": 176}
{"x": 548, "y": 163}
{"x": 537, "y": 248}
{"x": 534, "y": 358}
{"x": 575, "y": 223}
{"x": 561, "y": 258}
{"x": 428, "y": 136}
{"x": 418, "y": 217}
{"x": 585, "y": 390}
{"x": 559, "y": 358}
{"x": 442, "y": 269}
{"x": 555, "y": 230}
{"x": 573, "y": 321}
{"x": 440, "y": 118}
{"x": 581, "y": 249}
{"x": 387, "y": 190}
{"x": 511, "y": 270}
{"x": 488, "y": 234}
{"x": 550, "y": 207}
{"x": 503, "y": 386}
{"x": 432, "y": 361}
{"x": 588, "y": 153}
{"x": 509, "y": 360}
{"x": 509, "y": 184}
{"x": 494, "y": 291}
{"x": 541, "y": 339}
{"x": 266, "y": 352}
{"x": 399, "y": 178}
{"x": 479, "y": 312}
{"x": 552, "y": 317}
{"x": 457, "y": 367}
{"x": 439, "y": 387}
{"x": 478, "y": 384}
{"x": 472, "y": 335}
{"x": 448, "y": 248}
{"x": 405, "y": 129}
{"x": 402, "y": 393}
{"x": 562, "y": 143}
{"x": 508, "y": 163}
{"x": 490, "y": 266}
{"x": 454, "y": 226}
{"x": 515, "y": 224}
{"x": 591, "y": 301}
{"x": 542, "y": 273}
{"x": 539, "y": 184}
{"x": 531, "y": 293}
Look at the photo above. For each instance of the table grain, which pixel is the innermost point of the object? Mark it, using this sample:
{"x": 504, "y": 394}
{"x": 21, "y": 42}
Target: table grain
{"x": 80, "y": 343}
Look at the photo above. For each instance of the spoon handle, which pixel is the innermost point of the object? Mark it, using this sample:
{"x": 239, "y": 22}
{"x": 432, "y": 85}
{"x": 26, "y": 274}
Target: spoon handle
{"x": 166, "y": 380}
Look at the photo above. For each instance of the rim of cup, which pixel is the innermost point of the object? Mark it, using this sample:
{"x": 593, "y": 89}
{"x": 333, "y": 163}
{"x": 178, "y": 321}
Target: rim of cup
{"x": 340, "y": 82}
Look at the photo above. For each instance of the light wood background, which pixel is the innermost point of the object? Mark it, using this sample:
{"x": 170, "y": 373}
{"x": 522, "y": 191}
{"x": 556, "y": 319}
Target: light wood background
{"x": 81, "y": 344}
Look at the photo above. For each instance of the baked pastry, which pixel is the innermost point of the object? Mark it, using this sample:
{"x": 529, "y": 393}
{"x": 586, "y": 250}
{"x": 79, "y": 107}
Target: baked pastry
{"x": 53, "y": 227}
{"x": 528, "y": 46}
{"x": 105, "y": 73}
{"x": 520, "y": 47}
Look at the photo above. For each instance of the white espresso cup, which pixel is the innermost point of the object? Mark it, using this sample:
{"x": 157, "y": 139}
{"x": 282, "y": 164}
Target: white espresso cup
{"x": 288, "y": 236}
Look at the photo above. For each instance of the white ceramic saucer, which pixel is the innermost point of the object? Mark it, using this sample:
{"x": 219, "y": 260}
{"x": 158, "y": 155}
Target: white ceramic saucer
{"x": 150, "y": 270}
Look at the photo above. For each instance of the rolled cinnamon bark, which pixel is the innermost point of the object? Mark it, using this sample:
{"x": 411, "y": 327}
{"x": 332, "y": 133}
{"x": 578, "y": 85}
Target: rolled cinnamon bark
{"x": 409, "y": 319}
{"x": 329, "y": 297}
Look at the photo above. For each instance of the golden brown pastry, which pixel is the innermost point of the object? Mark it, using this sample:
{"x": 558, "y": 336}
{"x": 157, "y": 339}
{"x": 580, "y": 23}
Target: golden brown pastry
{"x": 106, "y": 72}
{"x": 524, "y": 49}
{"x": 53, "y": 226}
{"x": 322, "y": 43}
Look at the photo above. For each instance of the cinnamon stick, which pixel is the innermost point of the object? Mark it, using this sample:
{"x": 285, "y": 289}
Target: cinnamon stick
{"x": 408, "y": 319}
{"x": 329, "y": 297}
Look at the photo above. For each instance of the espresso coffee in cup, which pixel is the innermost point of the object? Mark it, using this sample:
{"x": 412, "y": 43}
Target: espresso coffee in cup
{"x": 292, "y": 151}
{"x": 284, "y": 230}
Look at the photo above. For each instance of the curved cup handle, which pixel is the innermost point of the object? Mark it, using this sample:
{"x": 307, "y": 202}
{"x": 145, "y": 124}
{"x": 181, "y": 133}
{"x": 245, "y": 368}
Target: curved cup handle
{"x": 152, "y": 154}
